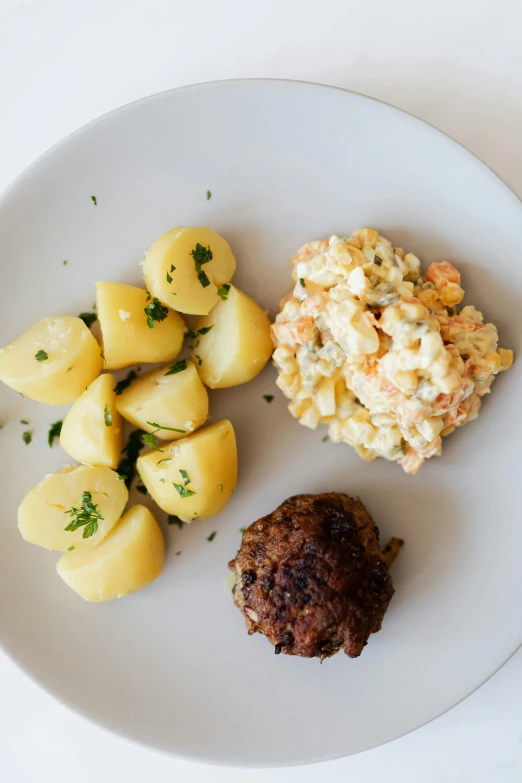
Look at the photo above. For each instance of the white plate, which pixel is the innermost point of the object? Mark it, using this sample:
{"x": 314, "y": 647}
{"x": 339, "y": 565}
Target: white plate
{"x": 172, "y": 666}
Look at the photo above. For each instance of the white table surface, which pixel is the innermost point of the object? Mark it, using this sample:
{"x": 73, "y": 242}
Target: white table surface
{"x": 455, "y": 63}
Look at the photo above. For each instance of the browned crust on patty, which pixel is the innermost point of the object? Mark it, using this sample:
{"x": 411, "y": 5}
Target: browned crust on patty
{"x": 311, "y": 576}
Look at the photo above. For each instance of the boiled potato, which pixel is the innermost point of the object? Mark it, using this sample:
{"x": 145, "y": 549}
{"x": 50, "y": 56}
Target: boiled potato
{"x": 126, "y": 332}
{"x": 129, "y": 558}
{"x": 237, "y": 344}
{"x": 92, "y": 429}
{"x": 195, "y": 477}
{"x": 43, "y": 517}
{"x": 53, "y": 362}
{"x": 176, "y": 401}
{"x": 171, "y": 271}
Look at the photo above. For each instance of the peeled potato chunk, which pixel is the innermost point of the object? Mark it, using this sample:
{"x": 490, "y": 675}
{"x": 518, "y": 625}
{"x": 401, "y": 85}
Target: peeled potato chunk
{"x": 186, "y": 282}
{"x": 195, "y": 477}
{"x": 129, "y": 558}
{"x": 127, "y": 336}
{"x": 53, "y": 361}
{"x": 92, "y": 429}
{"x": 171, "y": 397}
{"x": 42, "y": 517}
{"x": 237, "y": 344}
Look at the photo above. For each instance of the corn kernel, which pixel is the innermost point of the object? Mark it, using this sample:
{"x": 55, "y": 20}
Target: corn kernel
{"x": 452, "y": 294}
{"x": 506, "y": 358}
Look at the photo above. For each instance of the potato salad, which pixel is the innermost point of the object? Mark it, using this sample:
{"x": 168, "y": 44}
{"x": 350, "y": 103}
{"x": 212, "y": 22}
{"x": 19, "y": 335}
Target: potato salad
{"x": 380, "y": 353}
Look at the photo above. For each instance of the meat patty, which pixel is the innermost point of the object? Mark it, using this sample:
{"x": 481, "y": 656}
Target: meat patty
{"x": 311, "y": 576}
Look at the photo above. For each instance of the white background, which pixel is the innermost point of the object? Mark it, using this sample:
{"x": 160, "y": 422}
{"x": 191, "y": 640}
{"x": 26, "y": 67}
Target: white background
{"x": 455, "y": 63}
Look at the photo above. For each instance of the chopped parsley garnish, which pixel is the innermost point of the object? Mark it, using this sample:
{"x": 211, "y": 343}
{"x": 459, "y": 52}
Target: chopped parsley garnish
{"x": 149, "y": 297}
{"x": 200, "y": 360}
{"x": 24, "y": 421}
{"x": 107, "y": 415}
{"x": 169, "y": 278}
{"x": 324, "y": 439}
{"x": 242, "y": 529}
{"x": 223, "y": 291}
{"x": 88, "y": 318}
{"x": 141, "y": 488}
{"x": 165, "y": 459}
{"x": 185, "y": 476}
{"x": 178, "y": 367}
{"x": 54, "y": 432}
{"x": 182, "y": 491}
{"x": 172, "y": 520}
{"x": 65, "y": 263}
{"x": 172, "y": 268}
{"x": 155, "y": 311}
{"x": 268, "y": 397}
{"x": 71, "y": 548}
{"x": 41, "y": 356}
{"x": 220, "y": 486}
{"x": 192, "y": 335}
{"x": 150, "y": 440}
{"x": 86, "y": 516}
{"x": 125, "y": 382}
{"x": 212, "y": 536}
{"x": 161, "y": 427}
{"x": 302, "y": 282}
{"x": 94, "y": 201}
{"x": 27, "y": 438}
{"x": 201, "y": 255}
{"x": 130, "y": 453}
{"x": 102, "y": 355}
{"x": 209, "y": 195}
{"x": 121, "y": 478}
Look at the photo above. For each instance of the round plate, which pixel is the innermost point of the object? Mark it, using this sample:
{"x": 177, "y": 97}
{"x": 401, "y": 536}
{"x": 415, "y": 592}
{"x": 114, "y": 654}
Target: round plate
{"x": 172, "y": 666}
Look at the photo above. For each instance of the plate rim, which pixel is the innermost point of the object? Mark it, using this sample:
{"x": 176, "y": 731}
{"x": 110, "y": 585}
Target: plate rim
{"x": 5, "y": 195}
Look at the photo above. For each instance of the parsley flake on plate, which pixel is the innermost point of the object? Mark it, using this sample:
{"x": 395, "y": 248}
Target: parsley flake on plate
{"x": 178, "y": 367}
{"x": 223, "y": 291}
{"x": 155, "y": 311}
{"x": 172, "y": 520}
{"x": 86, "y": 516}
{"x": 268, "y": 397}
{"x": 27, "y": 438}
{"x": 130, "y": 453}
{"x": 125, "y": 382}
{"x": 54, "y": 432}
{"x": 212, "y": 536}
{"x": 209, "y": 195}
{"x": 88, "y": 319}
{"x": 94, "y": 200}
